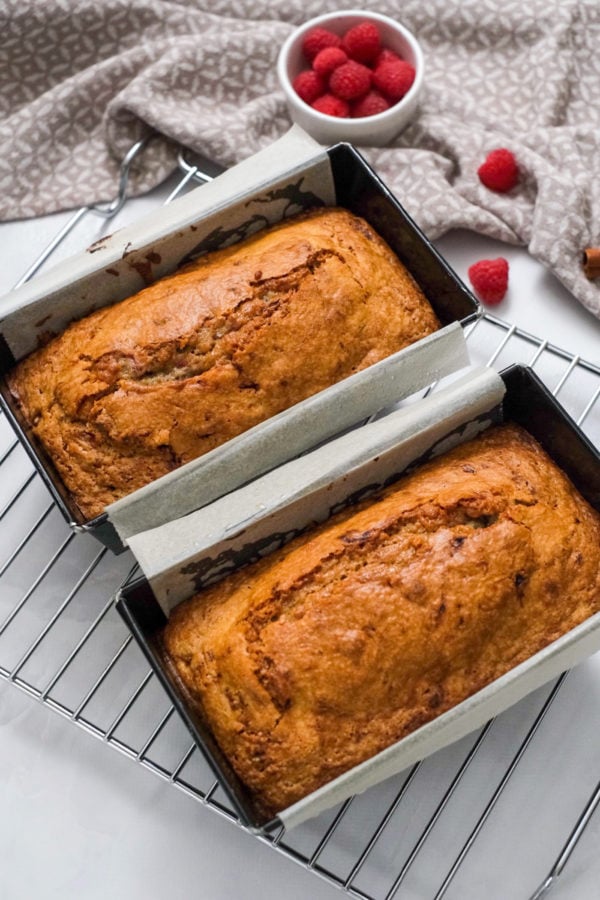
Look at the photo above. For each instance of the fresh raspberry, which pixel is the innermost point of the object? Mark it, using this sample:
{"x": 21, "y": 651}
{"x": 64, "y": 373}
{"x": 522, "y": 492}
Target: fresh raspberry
{"x": 369, "y": 105}
{"x": 362, "y": 42}
{"x": 386, "y": 55}
{"x": 394, "y": 79}
{"x": 328, "y": 59}
{"x": 350, "y": 81}
{"x": 499, "y": 172}
{"x": 308, "y": 85}
{"x": 331, "y": 106}
{"x": 317, "y": 39}
{"x": 489, "y": 278}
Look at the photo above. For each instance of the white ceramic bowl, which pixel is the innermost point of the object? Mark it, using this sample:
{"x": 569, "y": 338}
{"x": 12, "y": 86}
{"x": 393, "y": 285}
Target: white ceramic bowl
{"x": 376, "y": 130}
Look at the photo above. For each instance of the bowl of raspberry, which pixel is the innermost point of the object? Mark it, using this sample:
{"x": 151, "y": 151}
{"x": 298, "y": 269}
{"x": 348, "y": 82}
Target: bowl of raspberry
{"x": 351, "y": 76}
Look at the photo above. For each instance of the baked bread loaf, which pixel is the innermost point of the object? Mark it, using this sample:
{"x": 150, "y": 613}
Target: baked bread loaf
{"x": 134, "y": 390}
{"x": 365, "y": 628}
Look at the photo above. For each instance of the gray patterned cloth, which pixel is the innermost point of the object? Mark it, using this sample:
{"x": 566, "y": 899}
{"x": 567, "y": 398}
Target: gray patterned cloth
{"x": 81, "y": 80}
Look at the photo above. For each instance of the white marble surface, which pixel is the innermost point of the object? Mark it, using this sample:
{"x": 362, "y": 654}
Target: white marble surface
{"x": 79, "y": 820}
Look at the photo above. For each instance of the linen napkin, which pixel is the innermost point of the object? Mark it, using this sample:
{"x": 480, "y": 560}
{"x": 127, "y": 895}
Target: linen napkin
{"x": 82, "y": 80}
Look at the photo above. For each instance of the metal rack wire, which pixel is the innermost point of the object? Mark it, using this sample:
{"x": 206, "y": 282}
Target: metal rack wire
{"x": 62, "y": 642}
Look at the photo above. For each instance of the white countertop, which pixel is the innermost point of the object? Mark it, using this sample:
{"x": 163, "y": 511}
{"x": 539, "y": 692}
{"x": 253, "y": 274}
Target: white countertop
{"x": 79, "y": 820}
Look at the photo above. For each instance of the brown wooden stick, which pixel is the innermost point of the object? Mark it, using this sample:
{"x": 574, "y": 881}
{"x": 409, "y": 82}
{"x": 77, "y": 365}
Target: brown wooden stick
{"x": 591, "y": 262}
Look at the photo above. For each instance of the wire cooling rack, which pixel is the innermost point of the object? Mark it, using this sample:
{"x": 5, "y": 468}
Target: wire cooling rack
{"x": 415, "y": 835}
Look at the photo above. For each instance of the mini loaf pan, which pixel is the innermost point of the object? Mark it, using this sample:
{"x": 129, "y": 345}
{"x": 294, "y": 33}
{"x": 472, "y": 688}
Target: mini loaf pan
{"x": 300, "y": 174}
{"x": 524, "y": 400}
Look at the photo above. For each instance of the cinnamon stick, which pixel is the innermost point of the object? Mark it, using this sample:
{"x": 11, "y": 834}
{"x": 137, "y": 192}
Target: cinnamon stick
{"x": 591, "y": 262}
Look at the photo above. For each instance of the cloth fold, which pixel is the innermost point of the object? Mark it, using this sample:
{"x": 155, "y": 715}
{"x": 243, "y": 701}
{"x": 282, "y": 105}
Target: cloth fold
{"x": 81, "y": 81}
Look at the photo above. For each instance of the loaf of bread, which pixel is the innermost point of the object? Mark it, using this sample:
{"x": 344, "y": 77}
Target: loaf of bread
{"x": 367, "y": 627}
{"x": 135, "y": 390}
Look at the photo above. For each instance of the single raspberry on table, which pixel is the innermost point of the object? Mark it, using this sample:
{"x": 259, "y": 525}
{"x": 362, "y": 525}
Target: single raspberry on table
{"x": 308, "y": 85}
{"x": 331, "y": 106}
{"x": 369, "y": 105}
{"x": 328, "y": 59}
{"x": 350, "y": 81}
{"x": 499, "y": 171}
{"x": 394, "y": 79}
{"x": 489, "y": 278}
{"x": 362, "y": 42}
{"x": 317, "y": 39}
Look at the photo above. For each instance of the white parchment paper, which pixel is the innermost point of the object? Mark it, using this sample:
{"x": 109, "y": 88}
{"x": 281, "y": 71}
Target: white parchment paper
{"x": 244, "y": 198}
{"x": 176, "y": 556}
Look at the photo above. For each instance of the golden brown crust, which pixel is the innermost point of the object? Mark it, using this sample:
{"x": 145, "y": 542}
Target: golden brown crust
{"x": 349, "y": 638}
{"x": 136, "y": 389}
